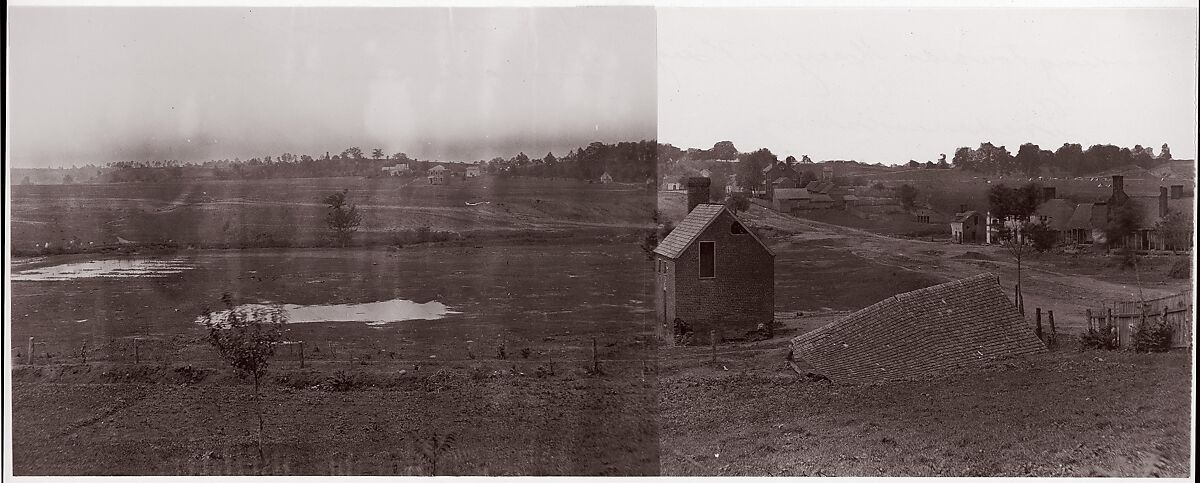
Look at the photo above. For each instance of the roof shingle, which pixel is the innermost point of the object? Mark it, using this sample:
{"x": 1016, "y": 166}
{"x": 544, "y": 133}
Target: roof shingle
{"x": 920, "y": 333}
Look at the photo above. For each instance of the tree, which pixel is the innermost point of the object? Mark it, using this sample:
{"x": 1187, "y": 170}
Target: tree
{"x": 750, "y": 166}
{"x": 1014, "y": 239}
{"x": 1176, "y": 230}
{"x": 342, "y": 219}
{"x": 790, "y": 160}
{"x": 724, "y": 150}
{"x": 352, "y": 153}
{"x": 908, "y": 196}
{"x": 805, "y": 159}
{"x": 1124, "y": 219}
{"x": 376, "y": 153}
{"x": 1165, "y": 152}
{"x": 245, "y": 338}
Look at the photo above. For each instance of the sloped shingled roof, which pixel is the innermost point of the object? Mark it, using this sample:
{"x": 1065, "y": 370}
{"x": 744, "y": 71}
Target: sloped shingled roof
{"x": 920, "y": 333}
{"x": 690, "y": 229}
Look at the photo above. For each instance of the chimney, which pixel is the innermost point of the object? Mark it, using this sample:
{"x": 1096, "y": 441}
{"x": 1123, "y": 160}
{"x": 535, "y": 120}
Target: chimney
{"x": 1048, "y": 193}
{"x": 1176, "y": 191}
{"x": 1162, "y": 201}
{"x": 697, "y": 192}
{"x": 1118, "y": 184}
{"x": 962, "y": 208}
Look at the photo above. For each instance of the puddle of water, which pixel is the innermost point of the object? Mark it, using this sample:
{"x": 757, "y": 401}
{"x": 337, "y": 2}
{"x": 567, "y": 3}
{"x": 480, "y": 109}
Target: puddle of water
{"x": 131, "y": 268}
{"x": 373, "y": 313}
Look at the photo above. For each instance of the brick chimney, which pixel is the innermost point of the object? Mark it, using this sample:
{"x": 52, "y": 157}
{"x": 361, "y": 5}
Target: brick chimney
{"x": 1176, "y": 191}
{"x": 1048, "y": 193}
{"x": 1162, "y": 201}
{"x": 698, "y": 192}
{"x": 1118, "y": 182}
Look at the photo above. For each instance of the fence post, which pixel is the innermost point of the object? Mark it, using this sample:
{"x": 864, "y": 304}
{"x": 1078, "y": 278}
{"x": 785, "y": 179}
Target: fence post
{"x": 1053, "y": 330}
{"x": 302, "y": 354}
{"x": 712, "y": 342}
{"x": 137, "y": 357}
{"x": 29, "y": 354}
{"x": 595, "y": 359}
{"x": 1038, "y": 330}
{"x": 1088, "y": 313}
{"x": 83, "y": 352}
{"x": 1108, "y": 327}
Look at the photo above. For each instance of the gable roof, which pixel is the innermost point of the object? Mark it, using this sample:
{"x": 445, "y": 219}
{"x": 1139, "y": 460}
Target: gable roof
{"x": 964, "y": 216}
{"x": 692, "y": 226}
{"x": 925, "y": 332}
{"x": 1059, "y": 212}
{"x": 1088, "y": 216}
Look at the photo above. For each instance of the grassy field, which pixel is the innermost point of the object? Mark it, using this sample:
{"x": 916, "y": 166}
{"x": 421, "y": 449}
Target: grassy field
{"x": 289, "y": 212}
{"x": 408, "y": 380}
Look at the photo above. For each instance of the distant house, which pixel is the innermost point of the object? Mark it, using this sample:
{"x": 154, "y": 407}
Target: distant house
{"x": 606, "y": 178}
{"x": 473, "y": 171}
{"x": 922, "y": 333}
{"x": 396, "y": 170}
{"x": 437, "y": 175}
{"x": 672, "y": 186}
{"x": 967, "y": 227}
{"x": 712, "y": 274}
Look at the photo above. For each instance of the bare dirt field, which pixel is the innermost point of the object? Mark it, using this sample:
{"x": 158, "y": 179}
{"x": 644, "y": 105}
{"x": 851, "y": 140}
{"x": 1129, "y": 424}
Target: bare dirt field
{"x": 1064, "y": 413}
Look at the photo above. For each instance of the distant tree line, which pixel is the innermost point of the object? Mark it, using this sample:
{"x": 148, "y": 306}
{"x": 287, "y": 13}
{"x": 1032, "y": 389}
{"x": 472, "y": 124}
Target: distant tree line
{"x": 1069, "y": 158}
{"x": 624, "y": 161}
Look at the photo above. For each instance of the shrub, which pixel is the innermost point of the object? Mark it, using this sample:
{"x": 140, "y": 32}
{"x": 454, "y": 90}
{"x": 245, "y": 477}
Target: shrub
{"x": 1097, "y": 339}
{"x": 501, "y": 352}
{"x": 342, "y": 381}
{"x": 1152, "y": 337}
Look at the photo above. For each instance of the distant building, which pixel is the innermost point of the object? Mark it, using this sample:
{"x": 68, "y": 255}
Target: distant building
{"x": 606, "y": 178}
{"x": 712, "y": 274}
{"x": 437, "y": 175}
{"x": 787, "y": 200}
{"x": 473, "y": 171}
{"x": 396, "y": 170}
{"x": 705, "y": 173}
{"x": 967, "y": 227}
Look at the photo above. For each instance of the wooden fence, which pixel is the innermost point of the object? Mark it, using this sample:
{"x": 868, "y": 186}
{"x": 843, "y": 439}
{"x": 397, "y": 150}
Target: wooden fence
{"x": 1124, "y": 317}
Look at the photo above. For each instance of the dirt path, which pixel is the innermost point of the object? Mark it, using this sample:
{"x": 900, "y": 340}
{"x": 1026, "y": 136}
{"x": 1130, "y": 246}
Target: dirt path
{"x": 1069, "y": 295}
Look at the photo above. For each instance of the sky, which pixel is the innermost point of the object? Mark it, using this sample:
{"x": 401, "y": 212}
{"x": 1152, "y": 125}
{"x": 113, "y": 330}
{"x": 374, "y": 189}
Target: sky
{"x": 94, "y": 85}
{"x": 890, "y": 85}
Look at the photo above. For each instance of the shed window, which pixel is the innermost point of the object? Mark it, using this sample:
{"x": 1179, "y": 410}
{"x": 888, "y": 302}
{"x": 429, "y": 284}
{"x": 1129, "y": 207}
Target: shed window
{"x": 708, "y": 259}
{"x": 737, "y": 229}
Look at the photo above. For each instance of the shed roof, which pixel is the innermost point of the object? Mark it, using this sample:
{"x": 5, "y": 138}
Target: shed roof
{"x": 692, "y": 226}
{"x": 920, "y": 333}
{"x": 792, "y": 194}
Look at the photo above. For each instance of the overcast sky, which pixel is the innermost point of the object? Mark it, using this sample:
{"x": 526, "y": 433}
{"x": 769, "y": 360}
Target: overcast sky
{"x": 99, "y": 85}
{"x": 893, "y": 85}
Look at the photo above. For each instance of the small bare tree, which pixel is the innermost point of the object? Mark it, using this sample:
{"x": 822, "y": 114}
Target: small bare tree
{"x": 245, "y": 337}
{"x": 1017, "y": 239}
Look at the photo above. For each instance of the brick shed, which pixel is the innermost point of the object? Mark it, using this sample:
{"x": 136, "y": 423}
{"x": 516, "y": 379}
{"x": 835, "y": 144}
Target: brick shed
{"x": 920, "y": 333}
{"x": 713, "y": 274}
